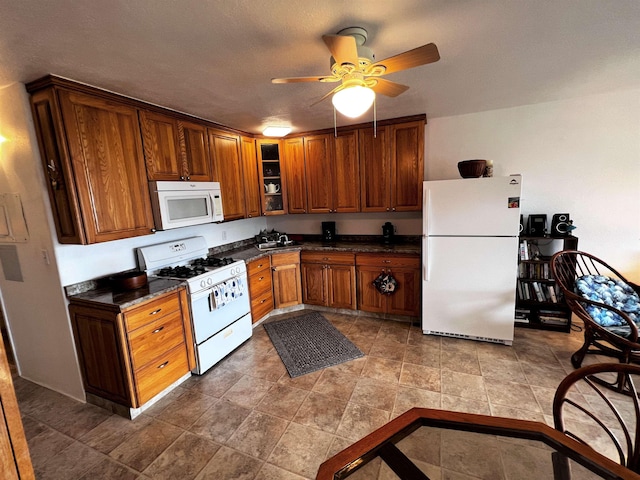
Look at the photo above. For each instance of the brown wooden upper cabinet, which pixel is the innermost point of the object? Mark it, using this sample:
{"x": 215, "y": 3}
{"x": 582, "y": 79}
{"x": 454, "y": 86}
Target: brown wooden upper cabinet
{"x": 91, "y": 149}
{"x": 250, "y": 175}
{"x": 392, "y": 167}
{"x": 174, "y": 149}
{"x": 224, "y": 149}
{"x": 271, "y": 174}
{"x": 293, "y": 162}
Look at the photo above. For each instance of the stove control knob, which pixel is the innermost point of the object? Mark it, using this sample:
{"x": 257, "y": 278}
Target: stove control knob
{"x": 209, "y": 281}
{"x": 203, "y": 283}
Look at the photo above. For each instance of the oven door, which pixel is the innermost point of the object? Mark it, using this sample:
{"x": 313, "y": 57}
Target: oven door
{"x": 208, "y": 318}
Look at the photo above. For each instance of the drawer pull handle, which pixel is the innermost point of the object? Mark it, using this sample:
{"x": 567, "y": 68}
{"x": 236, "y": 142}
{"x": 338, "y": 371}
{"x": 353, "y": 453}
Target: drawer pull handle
{"x": 158, "y": 330}
{"x": 386, "y": 261}
{"x": 261, "y": 278}
{"x": 263, "y": 300}
{"x": 155, "y": 312}
{"x": 164, "y": 364}
{"x": 228, "y": 333}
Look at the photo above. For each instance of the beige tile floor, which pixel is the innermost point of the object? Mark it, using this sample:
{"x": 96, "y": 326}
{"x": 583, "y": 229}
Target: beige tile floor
{"x": 247, "y": 419}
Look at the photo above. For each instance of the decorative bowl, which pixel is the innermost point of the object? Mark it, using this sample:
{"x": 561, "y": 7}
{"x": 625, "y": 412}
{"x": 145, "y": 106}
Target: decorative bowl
{"x": 128, "y": 280}
{"x": 472, "y": 168}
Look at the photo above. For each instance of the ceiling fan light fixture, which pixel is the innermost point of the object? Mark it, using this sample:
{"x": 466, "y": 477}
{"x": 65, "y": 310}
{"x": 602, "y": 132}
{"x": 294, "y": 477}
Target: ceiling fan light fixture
{"x": 353, "y": 101}
{"x": 276, "y": 131}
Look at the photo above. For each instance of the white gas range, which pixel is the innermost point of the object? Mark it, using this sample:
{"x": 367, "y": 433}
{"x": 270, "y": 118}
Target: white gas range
{"x": 218, "y": 294}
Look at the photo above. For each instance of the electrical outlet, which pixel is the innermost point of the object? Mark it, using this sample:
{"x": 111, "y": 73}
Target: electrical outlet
{"x": 45, "y": 256}
{"x": 224, "y": 235}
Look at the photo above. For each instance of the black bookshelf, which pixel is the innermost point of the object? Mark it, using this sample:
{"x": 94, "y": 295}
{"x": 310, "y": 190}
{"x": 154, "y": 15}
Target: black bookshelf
{"x": 539, "y": 301}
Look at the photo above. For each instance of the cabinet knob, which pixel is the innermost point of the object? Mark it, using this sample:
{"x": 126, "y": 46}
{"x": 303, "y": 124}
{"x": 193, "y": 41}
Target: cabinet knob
{"x": 153, "y": 230}
{"x": 394, "y": 209}
{"x": 181, "y": 177}
{"x": 158, "y": 330}
{"x": 189, "y": 178}
{"x": 387, "y": 209}
{"x": 261, "y": 278}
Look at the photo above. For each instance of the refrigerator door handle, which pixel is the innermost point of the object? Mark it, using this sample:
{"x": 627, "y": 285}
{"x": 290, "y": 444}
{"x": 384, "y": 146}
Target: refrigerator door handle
{"x": 426, "y": 271}
{"x": 426, "y": 214}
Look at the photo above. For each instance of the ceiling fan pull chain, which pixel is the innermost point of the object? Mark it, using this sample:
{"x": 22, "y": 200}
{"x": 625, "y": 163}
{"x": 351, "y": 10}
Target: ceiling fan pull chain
{"x": 335, "y": 125}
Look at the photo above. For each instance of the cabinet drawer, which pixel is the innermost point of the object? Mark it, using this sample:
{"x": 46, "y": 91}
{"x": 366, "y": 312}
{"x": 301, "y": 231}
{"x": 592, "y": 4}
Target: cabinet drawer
{"x": 261, "y": 305}
{"x": 260, "y": 265}
{"x": 334, "y": 258}
{"x": 139, "y": 316}
{"x": 155, "y": 338}
{"x": 278, "y": 259}
{"x": 158, "y": 375}
{"x": 260, "y": 283}
{"x": 382, "y": 260}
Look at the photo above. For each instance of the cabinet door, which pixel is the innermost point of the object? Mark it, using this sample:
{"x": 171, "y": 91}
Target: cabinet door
{"x": 341, "y": 286}
{"x": 407, "y": 161}
{"x": 406, "y": 299}
{"x": 346, "y": 173}
{"x": 314, "y": 288}
{"x": 318, "y": 156}
{"x": 271, "y": 172}
{"x": 225, "y": 155}
{"x": 108, "y": 164}
{"x": 369, "y": 299}
{"x": 250, "y": 177}
{"x": 375, "y": 170}
{"x": 102, "y": 354}
{"x": 195, "y": 151}
{"x": 294, "y": 164}
{"x": 286, "y": 279}
{"x": 161, "y": 146}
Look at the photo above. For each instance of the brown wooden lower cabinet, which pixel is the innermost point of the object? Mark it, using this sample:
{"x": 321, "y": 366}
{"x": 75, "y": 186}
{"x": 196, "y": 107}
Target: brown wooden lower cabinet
{"x": 260, "y": 287}
{"x": 287, "y": 290}
{"x": 404, "y": 268}
{"x": 130, "y": 355}
{"x": 329, "y": 279}
{"x": 15, "y": 462}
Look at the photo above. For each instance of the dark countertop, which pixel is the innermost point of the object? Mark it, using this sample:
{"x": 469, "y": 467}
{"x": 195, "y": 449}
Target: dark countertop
{"x": 251, "y": 252}
{"x": 120, "y": 300}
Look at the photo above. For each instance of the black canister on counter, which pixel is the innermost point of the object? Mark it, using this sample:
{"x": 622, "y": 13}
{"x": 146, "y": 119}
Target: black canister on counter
{"x": 388, "y": 233}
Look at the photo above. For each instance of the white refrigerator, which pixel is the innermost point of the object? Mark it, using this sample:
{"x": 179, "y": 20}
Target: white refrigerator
{"x": 470, "y": 257}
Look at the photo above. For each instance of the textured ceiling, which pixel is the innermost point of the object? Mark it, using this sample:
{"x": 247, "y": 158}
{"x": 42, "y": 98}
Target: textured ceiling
{"x": 215, "y": 59}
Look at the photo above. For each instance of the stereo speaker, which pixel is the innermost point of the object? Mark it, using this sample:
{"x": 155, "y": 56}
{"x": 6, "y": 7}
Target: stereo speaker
{"x": 560, "y": 225}
{"x": 537, "y": 225}
{"x": 521, "y": 231}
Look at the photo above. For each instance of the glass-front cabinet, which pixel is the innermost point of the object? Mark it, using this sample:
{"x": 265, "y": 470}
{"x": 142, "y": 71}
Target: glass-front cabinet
{"x": 271, "y": 177}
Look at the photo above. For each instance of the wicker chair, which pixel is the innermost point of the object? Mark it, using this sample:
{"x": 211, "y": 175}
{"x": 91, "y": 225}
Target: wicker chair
{"x": 609, "y": 327}
{"x": 607, "y": 422}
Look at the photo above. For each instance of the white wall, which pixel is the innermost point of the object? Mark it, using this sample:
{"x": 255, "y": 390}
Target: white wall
{"x": 579, "y": 156}
{"x": 85, "y": 262}
{"x": 35, "y": 309}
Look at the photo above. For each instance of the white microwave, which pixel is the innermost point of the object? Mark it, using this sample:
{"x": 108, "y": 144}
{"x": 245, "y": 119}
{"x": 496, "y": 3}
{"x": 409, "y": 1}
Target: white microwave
{"x": 183, "y": 204}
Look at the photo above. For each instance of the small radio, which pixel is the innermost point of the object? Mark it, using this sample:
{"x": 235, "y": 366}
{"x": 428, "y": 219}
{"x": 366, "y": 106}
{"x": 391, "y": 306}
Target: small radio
{"x": 560, "y": 225}
{"x": 537, "y": 225}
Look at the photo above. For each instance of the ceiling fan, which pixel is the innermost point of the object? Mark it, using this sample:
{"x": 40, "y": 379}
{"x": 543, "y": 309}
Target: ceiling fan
{"x": 355, "y": 67}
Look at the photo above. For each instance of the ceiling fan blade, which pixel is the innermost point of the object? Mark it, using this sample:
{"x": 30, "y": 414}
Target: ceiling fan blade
{"x": 385, "y": 87}
{"x": 325, "y": 78}
{"x": 335, "y": 90}
{"x": 403, "y": 61}
{"x": 343, "y": 48}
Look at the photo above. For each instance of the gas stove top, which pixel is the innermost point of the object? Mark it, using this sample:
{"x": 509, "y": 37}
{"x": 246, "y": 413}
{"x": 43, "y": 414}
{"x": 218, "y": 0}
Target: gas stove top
{"x": 196, "y": 267}
{"x": 189, "y": 260}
